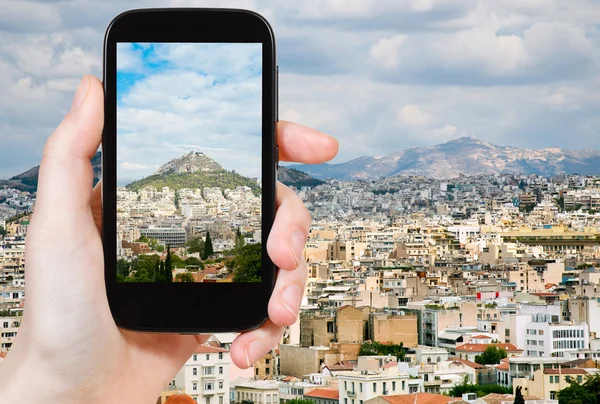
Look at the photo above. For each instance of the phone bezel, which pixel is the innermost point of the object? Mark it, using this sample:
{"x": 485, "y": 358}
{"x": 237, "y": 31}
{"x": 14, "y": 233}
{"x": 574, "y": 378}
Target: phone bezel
{"x": 188, "y": 307}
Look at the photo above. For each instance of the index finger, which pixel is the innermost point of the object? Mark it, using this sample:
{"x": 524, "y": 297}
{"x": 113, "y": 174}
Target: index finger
{"x": 300, "y": 144}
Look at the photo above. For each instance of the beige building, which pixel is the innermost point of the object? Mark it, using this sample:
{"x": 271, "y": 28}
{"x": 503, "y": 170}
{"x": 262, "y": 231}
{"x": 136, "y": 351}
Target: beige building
{"x": 546, "y": 383}
{"x": 394, "y": 329}
{"x": 258, "y": 391}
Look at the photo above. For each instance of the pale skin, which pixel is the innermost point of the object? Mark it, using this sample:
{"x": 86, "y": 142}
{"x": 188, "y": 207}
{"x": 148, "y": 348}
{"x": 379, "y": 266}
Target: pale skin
{"x": 68, "y": 348}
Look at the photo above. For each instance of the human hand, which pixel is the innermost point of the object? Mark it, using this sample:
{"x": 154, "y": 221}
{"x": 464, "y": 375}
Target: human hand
{"x": 68, "y": 348}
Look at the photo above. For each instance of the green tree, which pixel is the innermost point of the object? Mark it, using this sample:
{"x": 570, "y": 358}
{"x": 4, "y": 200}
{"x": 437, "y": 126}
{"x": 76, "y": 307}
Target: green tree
{"x": 177, "y": 261}
{"x": 299, "y": 401}
{"x": 194, "y": 261}
{"x": 2, "y": 231}
{"x": 159, "y": 277}
{"x": 248, "y": 263}
{"x": 577, "y": 393}
{"x": 143, "y": 239}
{"x": 491, "y": 356}
{"x": 184, "y": 277}
{"x": 377, "y": 348}
{"x": 160, "y": 248}
{"x": 208, "y": 247}
{"x": 195, "y": 245}
{"x": 168, "y": 266}
{"x": 480, "y": 389}
{"x": 239, "y": 240}
{"x": 123, "y": 267}
{"x": 519, "y": 396}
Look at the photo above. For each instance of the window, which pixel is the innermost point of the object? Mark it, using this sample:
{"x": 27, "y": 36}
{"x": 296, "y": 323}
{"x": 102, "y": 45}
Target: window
{"x": 555, "y": 379}
{"x": 384, "y": 389}
{"x": 207, "y": 400}
{"x": 209, "y": 371}
{"x": 220, "y": 385}
{"x": 256, "y": 371}
{"x": 5, "y": 325}
{"x": 330, "y": 326}
{"x": 207, "y": 356}
{"x": 540, "y": 332}
{"x": 220, "y": 370}
{"x": 209, "y": 386}
{"x": 507, "y": 332}
{"x": 360, "y": 387}
{"x": 195, "y": 358}
{"x": 403, "y": 385}
{"x": 194, "y": 386}
{"x": 345, "y": 385}
{"x": 579, "y": 379}
{"x": 220, "y": 355}
{"x": 374, "y": 387}
{"x": 267, "y": 361}
{"x": 194, "y": 371}
{"x": 394, "y": 386}
{"x": 268, "y": 371}
{"x": 220, "y": 399}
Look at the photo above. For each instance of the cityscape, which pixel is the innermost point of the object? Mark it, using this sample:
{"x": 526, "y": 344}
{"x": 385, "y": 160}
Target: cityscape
{"x": 454, "y": 250}
{"x": 189, "y": 219}
{"x": 180, "y": 233}
{"x": 480, "y": 288}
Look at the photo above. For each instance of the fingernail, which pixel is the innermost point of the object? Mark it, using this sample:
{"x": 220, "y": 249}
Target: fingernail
{"x": 291, "y": 298}
{"x": 297, "y": 241}
{"x": 254, "y": 351}
{"x": 80, "y": 93}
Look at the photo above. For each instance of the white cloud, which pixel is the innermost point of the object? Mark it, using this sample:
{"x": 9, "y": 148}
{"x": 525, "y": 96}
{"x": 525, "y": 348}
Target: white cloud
{"x": 387, "y": 51}
{"x": 413, "y": 115}
{"x": 446, "y": 132}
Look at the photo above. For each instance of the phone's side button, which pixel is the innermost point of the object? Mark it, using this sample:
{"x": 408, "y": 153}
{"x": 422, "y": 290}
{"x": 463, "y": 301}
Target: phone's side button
{"x": 277, "y": 96}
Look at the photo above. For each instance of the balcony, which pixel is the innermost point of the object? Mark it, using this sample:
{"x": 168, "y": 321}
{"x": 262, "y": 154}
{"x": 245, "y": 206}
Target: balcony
{"x": 351, "y": 393}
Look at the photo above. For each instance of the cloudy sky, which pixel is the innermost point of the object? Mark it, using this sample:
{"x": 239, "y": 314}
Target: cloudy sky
{"x": 380, "y": 75}
{"x": 173, "y": 98}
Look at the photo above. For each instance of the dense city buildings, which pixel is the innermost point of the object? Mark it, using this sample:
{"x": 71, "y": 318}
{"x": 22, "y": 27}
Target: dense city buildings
{"x": 418, "y": 289}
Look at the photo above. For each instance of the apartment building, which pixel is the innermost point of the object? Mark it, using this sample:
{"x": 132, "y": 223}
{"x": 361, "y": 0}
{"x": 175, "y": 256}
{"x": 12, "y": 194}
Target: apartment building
{"x": 546, "y": 383}
{"x": 375, "y": 376}
{"x": 258, "y": 392}
{"x": 9, "y": 326}
{"x": 205, "y": 375}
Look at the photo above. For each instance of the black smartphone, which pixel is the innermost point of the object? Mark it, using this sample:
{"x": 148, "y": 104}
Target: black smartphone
{"x": 189, "y": 160}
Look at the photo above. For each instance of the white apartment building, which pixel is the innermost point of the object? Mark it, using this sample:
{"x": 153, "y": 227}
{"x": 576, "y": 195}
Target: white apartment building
{"x": 8, "y": 331}
{"x": 258, "y": 391}
{"x": 555, "y": 339}
{"x": 205, "y": 375}
{"x": 375, "y": 376}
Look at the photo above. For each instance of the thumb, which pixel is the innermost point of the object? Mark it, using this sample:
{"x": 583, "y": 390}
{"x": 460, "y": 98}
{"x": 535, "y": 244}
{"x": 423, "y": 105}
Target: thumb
{"x": 66, "y": 177}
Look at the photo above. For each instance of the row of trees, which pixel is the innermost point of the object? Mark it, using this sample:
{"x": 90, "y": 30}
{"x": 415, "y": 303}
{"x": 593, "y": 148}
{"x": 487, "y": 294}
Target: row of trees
{"x": 147, "y": 268}
{"x": 377, "y": 348}
{"x": 201, "y": 179}
{"x": 480, "y": 389}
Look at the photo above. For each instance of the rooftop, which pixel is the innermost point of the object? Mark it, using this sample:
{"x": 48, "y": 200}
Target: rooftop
{"x": 416, "y": 398}
{"x": 324, "y": 393}
{"x": 482, "y": 347}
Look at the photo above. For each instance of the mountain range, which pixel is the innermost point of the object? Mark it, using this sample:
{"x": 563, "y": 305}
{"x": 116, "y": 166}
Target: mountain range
{"x": 464, "y": 156}
{"x": 28, "y": 180}
{"x": 185, "y": 170}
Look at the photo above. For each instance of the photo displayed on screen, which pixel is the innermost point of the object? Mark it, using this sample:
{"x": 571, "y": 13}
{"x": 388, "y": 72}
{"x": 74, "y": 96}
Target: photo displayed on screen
{"x": 189, "y": 144}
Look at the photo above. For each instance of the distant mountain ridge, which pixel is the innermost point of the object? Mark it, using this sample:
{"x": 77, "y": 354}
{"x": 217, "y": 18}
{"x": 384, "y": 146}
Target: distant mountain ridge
{"x": 466, "y": 156}
{"x": 192, "y": 163}
{"x": 28, "y": 180}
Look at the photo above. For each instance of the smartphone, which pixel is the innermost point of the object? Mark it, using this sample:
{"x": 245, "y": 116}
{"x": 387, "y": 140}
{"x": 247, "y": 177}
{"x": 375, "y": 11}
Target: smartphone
{"x": 189, "y": 160}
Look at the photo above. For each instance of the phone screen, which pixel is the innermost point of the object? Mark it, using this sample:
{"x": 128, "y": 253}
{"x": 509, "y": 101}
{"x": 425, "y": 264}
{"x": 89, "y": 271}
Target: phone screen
{"x": 189, "y": 146}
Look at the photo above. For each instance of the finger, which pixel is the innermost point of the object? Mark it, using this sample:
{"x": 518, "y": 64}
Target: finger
{"x": 249, "y": 347}
{"x": 304, "y": 145}
{"x": 290, "y": 230}
{"x": 285, "y": 301}
{"x": 96, "y": 205}
{"x": 65, "y": 176}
